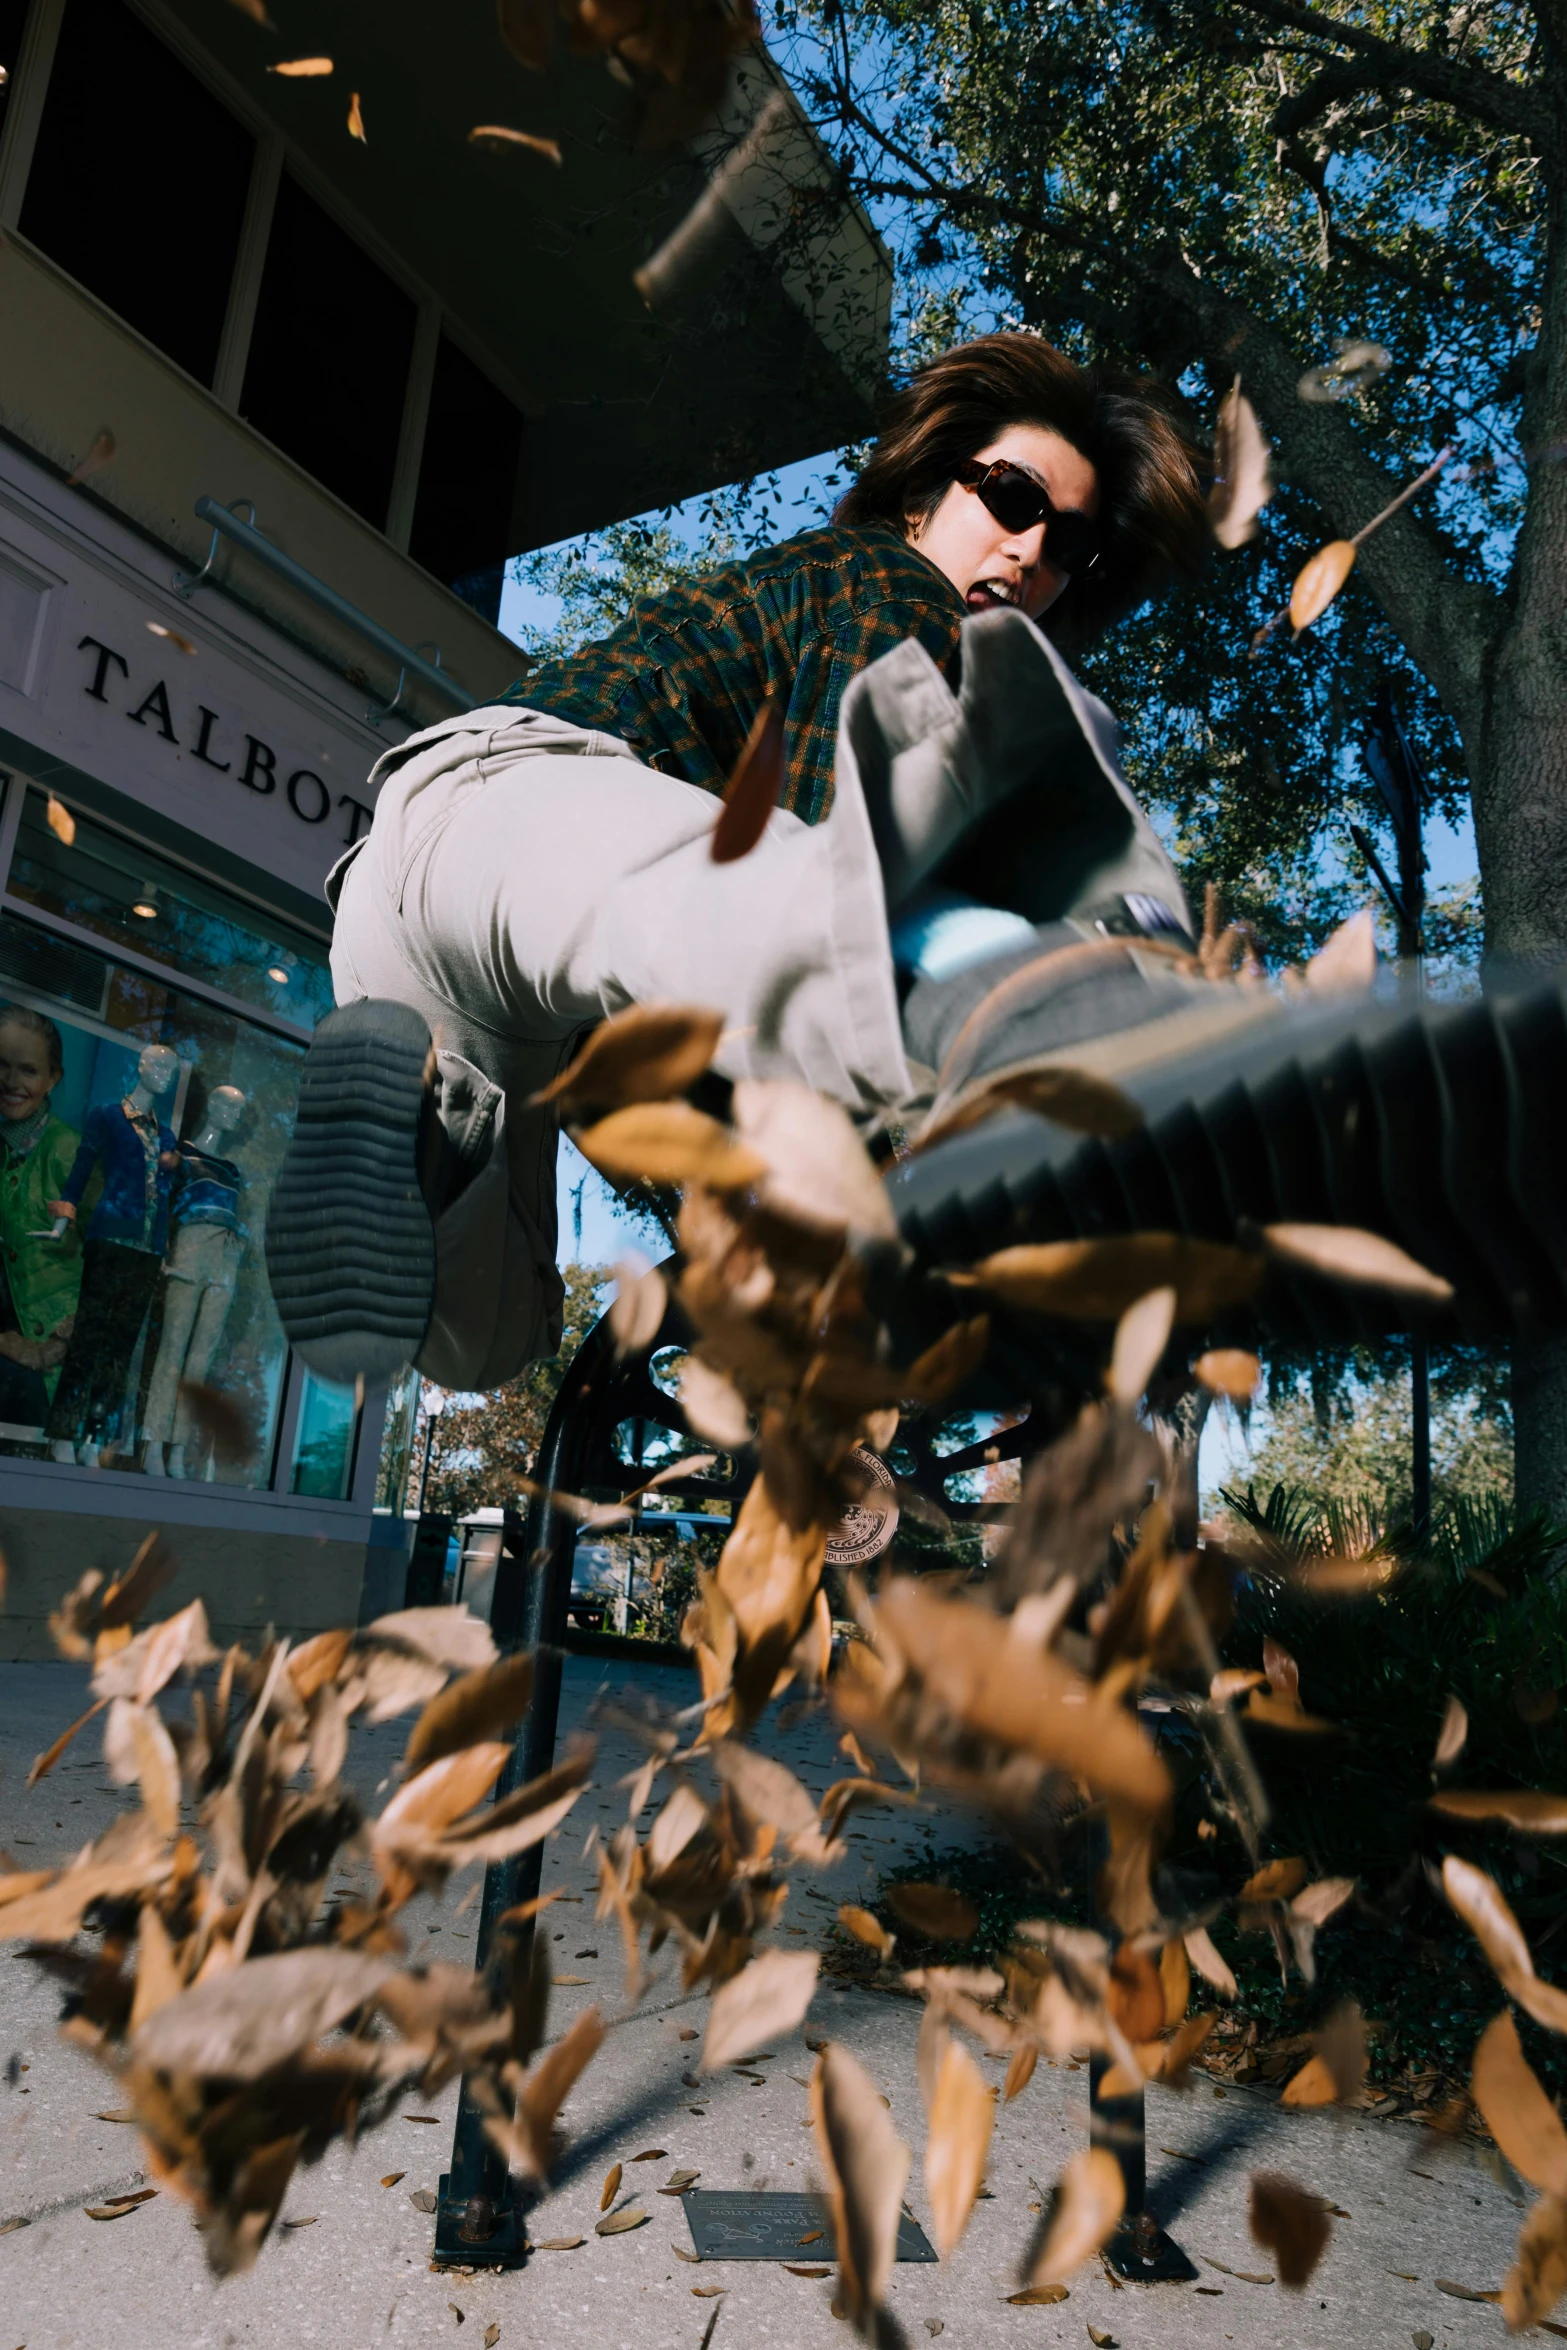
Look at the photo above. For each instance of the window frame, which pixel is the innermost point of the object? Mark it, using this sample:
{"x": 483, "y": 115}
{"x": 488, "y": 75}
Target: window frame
{"x": 275, "y": 152}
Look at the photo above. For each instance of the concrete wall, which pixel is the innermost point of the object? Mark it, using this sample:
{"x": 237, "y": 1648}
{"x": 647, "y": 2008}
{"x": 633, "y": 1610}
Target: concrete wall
{"x": 299, "y": 1583}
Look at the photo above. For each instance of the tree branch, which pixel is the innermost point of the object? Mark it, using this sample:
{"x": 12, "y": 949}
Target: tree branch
{"x": 1485, "y": 97}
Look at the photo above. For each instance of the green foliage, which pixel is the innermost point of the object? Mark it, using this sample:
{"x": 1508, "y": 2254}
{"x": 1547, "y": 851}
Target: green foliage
{"x": 484, "y": 1443}
{"x": 1340, "y": 1425}
{"x": 599, "y": 578}
{"x": 1204, "y": 190}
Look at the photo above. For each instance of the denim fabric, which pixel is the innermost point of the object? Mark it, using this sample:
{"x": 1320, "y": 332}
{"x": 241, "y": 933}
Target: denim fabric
{"x": 134, "y": 1209}
{"x": 207, "y": 1190}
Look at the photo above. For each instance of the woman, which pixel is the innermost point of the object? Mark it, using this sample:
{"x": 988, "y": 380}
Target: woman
{"x": 37, "y": 1149}
{"x": 957, "y": 885}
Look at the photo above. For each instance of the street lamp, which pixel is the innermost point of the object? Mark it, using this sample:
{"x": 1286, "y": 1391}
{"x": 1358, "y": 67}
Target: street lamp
{"x": 433, "y": 1403}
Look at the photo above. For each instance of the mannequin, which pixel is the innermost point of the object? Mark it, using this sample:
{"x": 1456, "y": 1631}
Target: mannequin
{"x": 203, "y": 1267}
{"x": 124, "y": 1247}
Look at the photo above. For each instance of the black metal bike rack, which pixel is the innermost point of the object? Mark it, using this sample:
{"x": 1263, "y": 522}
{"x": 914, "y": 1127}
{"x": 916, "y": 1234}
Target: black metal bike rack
{"x": 479, "y": 2218}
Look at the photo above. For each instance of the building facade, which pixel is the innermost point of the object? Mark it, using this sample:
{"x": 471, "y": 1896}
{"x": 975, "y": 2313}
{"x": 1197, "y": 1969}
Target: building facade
{"x": 276, "y": 403}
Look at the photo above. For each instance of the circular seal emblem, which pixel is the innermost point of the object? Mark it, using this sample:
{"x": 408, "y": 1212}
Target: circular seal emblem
{"x": 869, "y": 1524}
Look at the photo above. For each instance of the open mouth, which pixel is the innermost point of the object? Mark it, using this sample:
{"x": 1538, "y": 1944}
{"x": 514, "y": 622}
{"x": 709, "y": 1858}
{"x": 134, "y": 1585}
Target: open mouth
{"x": 989, "y": 595}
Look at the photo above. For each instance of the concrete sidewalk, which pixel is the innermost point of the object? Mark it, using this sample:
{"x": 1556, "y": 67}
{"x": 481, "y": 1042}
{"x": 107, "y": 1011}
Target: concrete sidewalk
{"x": 357, "y": 2274}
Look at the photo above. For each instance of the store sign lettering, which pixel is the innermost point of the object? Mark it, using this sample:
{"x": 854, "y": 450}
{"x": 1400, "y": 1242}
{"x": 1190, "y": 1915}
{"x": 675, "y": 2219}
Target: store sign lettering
{"x": 255, "y": 766}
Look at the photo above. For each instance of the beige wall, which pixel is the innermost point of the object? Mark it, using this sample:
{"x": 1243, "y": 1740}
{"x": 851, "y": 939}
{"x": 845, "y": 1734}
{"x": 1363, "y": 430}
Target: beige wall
{"x": 298, "y": 1583}
{"x": 69, "y": 371}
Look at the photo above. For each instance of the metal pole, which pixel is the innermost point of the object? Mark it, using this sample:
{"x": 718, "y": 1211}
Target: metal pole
{"x": 478, "y": 2221}
{"x": 1139, "y": 2251}
{"x": 424, "y": 1473}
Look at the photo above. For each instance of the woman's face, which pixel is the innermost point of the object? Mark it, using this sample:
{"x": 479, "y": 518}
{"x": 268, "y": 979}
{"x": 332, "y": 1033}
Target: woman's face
{"x": 989, "y": 565}
{"x": 25, "y": 1074}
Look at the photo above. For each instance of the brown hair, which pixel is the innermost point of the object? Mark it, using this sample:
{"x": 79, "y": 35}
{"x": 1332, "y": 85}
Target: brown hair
{"x": 1151, "y": 516}
{"x": 23, "y": 1016}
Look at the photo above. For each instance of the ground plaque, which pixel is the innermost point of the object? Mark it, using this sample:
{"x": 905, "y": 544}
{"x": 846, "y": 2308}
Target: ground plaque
{"x": 754, "y": 2224}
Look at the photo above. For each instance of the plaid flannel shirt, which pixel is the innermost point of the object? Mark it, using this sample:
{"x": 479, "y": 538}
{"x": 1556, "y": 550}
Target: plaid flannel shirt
{"x": 683, "y": 676}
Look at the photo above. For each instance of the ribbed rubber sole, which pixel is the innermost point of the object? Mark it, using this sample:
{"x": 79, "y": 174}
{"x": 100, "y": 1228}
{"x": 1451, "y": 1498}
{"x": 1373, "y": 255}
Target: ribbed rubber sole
{"x": 350, "y": 1241}
{"x": 1443, "y": 1127}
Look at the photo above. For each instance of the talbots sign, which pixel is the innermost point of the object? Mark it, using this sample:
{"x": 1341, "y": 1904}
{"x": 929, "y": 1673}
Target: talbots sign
{"x": 254, "y": 762}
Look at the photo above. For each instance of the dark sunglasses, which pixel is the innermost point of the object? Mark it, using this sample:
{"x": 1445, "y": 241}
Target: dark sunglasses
{"x": 1017, "y": 501}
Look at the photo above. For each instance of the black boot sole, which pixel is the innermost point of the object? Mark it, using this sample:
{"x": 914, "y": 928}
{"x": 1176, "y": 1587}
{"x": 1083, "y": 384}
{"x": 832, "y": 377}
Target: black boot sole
{"x": 350, "y": 1241}
{"x": 1441, "y": 1126}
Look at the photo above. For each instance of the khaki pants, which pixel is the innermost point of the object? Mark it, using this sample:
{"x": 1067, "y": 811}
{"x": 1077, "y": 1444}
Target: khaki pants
{"x": 525, "y": 878}
{"x": 199, "y": 1281}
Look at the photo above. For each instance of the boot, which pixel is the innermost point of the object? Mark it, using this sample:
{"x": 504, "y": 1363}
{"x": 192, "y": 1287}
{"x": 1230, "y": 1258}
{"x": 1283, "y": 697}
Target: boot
{"x": 1215, "y": 1108}
{"x": 350, "y": 1241}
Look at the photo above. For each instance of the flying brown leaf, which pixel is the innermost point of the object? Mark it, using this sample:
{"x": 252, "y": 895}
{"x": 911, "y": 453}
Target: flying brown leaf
{"x": 1096, "y": 1280}
{"x": 497, "y": 137}
{"x": 774, "y": 1797}
{"x": 818, "y": 1171}
{"x": 435, "y": 1796}
{"x": 1175, "y": 1980}
{"x": 1275, "y": 1881}
{"x": 1343, "y": 1253}
{"x": 867, "y": 2166}
{"x": 1141, "y": 1336}
{"x": 1289, "y": 2223}
{"x": 448, "y": 1636}
{"x": 1517, "y": 2112}
{"x": 1346, "y": 962}
{"x": 525, "y": 2137}
{"x": 669, "y": 1143}
{"x": 1208, "y": 1962}
{"x": 98, "y": 456}
{"x": 1319, "y": 1901}
{"x": 713, "y": 1405}
{"x": 1073, "y": 1098}
{"x": 240, "y": 2024}
{"x": 754, "y": 789}
{"x": 44, "y": 1763}
{"x": 1023, "y": 1695}
{"x": 1090, "y": 2197}
{"x": 223, "y": 1421}
{"x": 1337, "y": 2072}
{"x": 610, "y": 2188}
{"x": 1538, "y": 2279}
{"x": 644, "y": 1054}
{"x": 867, "y": 1929}
{"x": 960, "y": 2118}
{"x": 472, "y": 1710}
{"x": 1229, "y": 1370}
{"x": 356, "y": 120}
{"x": 302, "y": 68}
{"x": 936, "y": 1911}
{"x": 1479, "y": 1901}
{"x": 60, "y": 820}
{"x": 1450, "y": 1738}
{"x": 1528, "y": 1808}
{"x": 768, "y": 1996}
{"x": 637, "y": 1310}
{"x": 1319, "y": 581}
{"x": 1243, "y": 473}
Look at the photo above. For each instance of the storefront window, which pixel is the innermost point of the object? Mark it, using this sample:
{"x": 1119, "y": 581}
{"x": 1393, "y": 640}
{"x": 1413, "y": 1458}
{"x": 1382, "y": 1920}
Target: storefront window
{"x": 148, "y": 1082}
{"x": 397, "y": 1443}
{"x": 120, "y": 891}
{"x": 324, "y": 1445}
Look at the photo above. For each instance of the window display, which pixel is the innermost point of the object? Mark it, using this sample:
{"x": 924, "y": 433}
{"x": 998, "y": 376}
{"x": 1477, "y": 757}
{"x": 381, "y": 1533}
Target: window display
{"x": 152, "y": 1033}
